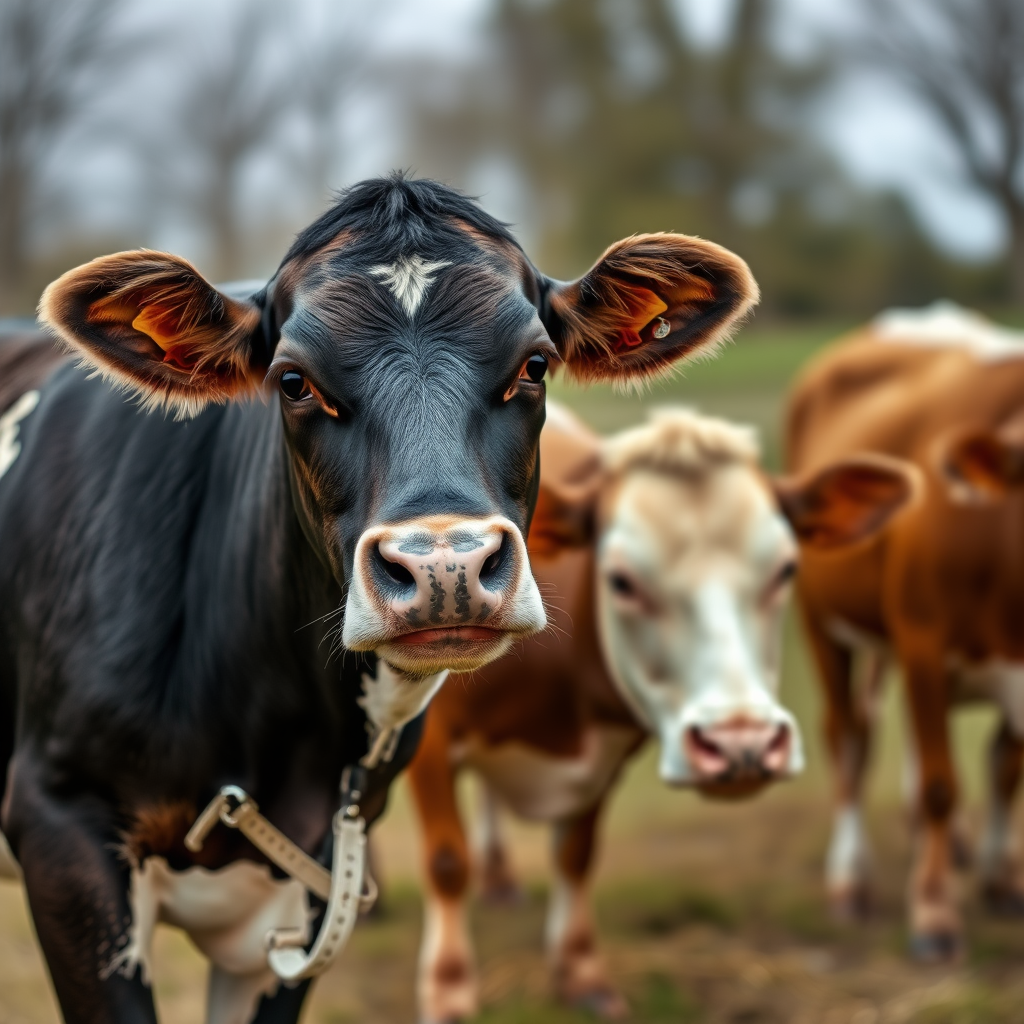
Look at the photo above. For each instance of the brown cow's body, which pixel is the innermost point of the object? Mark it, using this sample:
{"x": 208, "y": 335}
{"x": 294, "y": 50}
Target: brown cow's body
{"x": 942, "y": 588}
{"x": 664, "y": 561}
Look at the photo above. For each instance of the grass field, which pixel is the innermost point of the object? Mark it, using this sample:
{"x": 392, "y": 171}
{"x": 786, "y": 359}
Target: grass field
{"x": 710, "y": 914}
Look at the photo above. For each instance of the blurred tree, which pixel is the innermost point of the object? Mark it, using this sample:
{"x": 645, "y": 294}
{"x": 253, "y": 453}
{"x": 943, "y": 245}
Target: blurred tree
{"x": 964, "y": 61}
{"x": 616, "y": 121}
{"x": 55, "y": 55}
{"x": 228, "y": 110}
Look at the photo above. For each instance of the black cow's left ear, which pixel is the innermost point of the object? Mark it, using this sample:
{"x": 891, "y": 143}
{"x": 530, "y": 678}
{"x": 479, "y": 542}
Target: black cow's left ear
{"x": 150, "y": 322}
{"x": 647, "y": 302}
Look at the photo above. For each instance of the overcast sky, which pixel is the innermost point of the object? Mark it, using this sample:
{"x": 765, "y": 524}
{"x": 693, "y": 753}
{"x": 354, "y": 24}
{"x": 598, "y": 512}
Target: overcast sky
{"x": 881, "y": 136}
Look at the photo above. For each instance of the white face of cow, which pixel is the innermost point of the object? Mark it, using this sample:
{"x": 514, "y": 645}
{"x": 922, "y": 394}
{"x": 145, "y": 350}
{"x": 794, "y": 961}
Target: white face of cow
{"x": 694, "y": 564}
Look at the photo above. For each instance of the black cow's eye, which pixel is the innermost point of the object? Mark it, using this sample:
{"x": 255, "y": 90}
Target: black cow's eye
{"x": 535, "y": 368}
{"x": 295, "y": 387}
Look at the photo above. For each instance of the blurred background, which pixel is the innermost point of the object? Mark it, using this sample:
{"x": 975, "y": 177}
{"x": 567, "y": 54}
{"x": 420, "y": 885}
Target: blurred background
{"x": 858, "y": 153}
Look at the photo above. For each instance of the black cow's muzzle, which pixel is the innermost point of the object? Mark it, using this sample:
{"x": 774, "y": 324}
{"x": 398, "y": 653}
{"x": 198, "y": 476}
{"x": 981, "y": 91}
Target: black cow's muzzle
{"x": 441, "y": 592}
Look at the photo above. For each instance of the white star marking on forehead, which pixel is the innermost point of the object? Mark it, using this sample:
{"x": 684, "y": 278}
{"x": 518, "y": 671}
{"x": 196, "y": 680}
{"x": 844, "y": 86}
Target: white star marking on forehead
{"x": 409, "y": 278}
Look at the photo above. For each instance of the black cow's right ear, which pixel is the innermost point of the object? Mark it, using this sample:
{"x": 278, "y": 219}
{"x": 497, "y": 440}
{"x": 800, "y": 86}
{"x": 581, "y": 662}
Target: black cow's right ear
{"x": 150, "y": 322}
{"x": 848, "y": 501}
{"x": 649, "y": 301}
{"x": 980, "y": 465}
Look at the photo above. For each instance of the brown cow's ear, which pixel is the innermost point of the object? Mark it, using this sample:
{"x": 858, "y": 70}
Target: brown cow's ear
{"x": 647, "y": 302}
{"x": 981, "y": 465}
{"x": 152, "y": 324}
{"x": 848, "y": 501}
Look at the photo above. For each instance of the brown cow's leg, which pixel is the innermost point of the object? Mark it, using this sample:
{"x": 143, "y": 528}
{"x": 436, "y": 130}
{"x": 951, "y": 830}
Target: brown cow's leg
{"x": 848, "y": 723}
{"x": 579, "y": 972}
{"x": 1000, "y": 882}
{"x": 446, "y": 989}
{"x": 935, "y": 923}
{"x": 498, "y": 884}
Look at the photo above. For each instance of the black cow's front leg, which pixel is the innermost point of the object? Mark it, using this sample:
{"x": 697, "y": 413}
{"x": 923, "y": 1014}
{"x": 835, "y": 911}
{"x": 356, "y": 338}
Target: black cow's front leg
{"x": 77, "y": 889}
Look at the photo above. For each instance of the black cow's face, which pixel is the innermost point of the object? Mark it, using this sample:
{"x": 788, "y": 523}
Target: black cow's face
{"x": 407, "y": 339}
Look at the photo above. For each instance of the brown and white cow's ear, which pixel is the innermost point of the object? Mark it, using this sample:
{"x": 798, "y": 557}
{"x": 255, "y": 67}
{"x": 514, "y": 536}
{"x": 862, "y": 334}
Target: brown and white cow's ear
{"x": 980, "y": 465}
{"x": 151, "y": 323}
{"x": 648, "y": 301}
{"x": 848, "y": 501}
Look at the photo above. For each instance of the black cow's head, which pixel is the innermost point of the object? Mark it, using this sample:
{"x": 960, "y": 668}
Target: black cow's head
{"x": 406, "y": 336}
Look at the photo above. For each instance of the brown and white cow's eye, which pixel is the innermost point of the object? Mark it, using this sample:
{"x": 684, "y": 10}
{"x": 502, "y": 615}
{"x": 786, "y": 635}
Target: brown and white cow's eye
{"x": 534, "y": 369}
{"x": 295, "y": 387}
{"x": 622, "y": 585}
{"x": 778, "y": 582}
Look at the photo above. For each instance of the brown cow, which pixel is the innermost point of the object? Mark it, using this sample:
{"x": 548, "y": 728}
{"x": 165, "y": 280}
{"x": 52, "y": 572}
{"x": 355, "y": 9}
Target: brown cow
{"x": 942, "y": 588}
{"x": 665, "y": 562}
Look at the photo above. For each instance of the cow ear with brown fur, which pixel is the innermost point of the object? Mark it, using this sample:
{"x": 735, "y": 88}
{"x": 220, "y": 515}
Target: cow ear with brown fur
{"x": 649, "y": 301}
{"x": 150, "y": 322}
{"x": 981, "y": 465}
{"x": 847, "y": 502}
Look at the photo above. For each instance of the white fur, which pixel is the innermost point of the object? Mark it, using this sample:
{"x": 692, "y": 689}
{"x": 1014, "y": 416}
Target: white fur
{"x": 10, "y": 446}
{"x": 227, "y": 914}
{"x": 849, "y": 857}
{"x": 392, "y": 700}
{"x": 409, "y": 278}
{"x": 947, "y": 324}
{"x": 711, "y": 651}
{"x": 545, "y": 787}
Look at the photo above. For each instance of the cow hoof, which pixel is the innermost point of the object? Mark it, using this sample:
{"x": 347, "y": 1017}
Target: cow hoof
{"x": 936, "y": 947}
{"x": 851, "y": 904}
{"x": 604, "y": 1003}
{"x": 1002, "y": 899}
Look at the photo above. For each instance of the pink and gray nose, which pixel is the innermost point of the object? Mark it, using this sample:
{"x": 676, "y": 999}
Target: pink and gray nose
{"x": 738, "y": 750}
{"x": 456, "y": 577}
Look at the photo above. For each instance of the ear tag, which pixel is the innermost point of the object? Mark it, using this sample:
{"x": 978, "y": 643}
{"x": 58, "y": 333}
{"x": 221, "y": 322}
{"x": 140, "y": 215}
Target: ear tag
{"x": 663, "y": 328}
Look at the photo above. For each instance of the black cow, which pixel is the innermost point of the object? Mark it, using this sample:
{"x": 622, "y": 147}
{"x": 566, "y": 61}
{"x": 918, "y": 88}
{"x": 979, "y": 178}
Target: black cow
{"x": 254, "y": 587}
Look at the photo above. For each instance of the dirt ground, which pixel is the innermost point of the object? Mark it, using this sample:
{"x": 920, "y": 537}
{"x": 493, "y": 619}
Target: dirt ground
{"x": 709, "y": 914}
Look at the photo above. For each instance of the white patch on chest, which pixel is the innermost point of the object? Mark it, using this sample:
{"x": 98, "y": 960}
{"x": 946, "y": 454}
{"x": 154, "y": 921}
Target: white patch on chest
{"x": 996, "y": 680}
{"x": 227, "y": 914}
{"x": 10, "y": 446}
{"x": 542, "y": 787}
{"x": 409, "y": 278}
{"x": 945, "y": 324}
{"x": 391, "y": 701}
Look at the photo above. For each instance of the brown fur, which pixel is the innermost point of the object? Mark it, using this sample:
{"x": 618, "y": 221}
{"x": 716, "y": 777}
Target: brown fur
{"x": 943, "y": 584}
{"x": 180, "y": 343}
{"x": 26, "y": 360}
{"x": 609, "y": 315}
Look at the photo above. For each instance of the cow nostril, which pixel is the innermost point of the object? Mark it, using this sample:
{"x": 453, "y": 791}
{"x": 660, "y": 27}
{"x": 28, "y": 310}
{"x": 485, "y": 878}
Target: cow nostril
{"x": 495, "y": 566}
{"x": 394, "y": 571}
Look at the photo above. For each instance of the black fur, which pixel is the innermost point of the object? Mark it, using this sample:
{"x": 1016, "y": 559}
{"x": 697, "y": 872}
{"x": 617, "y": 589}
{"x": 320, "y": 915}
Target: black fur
{"x": 170, "y": 591}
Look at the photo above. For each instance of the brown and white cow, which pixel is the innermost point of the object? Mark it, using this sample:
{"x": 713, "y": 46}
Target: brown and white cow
{"x": 665, "y": 556}
{"x": 941, "y": 589}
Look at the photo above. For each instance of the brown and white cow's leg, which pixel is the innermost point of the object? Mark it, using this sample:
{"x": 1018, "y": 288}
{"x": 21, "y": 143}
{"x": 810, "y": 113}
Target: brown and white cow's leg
{"x": 998, "y": 863}
{"x": 498, "y": 885}
{"x": 447, "y": 986}
{"x": 848, "y": 723}
{"x": 935, "y": 921}
{"x": 580, "y": 975}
